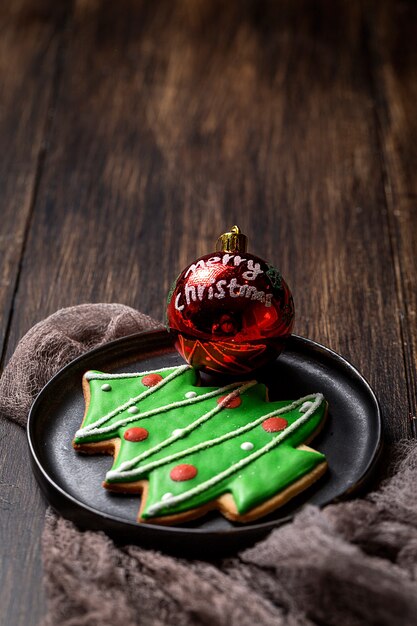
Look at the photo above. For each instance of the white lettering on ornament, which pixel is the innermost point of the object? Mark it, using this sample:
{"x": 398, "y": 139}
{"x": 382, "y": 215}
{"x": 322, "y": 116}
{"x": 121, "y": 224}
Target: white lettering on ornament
{"x": 190, "y": 294}
{"x": 220, "y": 288}
{"x": 254, "y": 269}
{"x": 213, "y": 260}
{"x": 193, "y": 268}
{"x": 233, "y": 289}
{"x": 221, "y": 292}
{"x": 178, "y": 306}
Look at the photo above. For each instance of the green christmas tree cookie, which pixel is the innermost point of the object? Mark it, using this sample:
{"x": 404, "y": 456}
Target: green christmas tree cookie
{"x": 189, "y": 449}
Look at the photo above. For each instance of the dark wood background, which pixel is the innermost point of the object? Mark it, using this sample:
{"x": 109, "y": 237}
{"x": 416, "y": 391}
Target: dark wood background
{"x": 133, "y": 133}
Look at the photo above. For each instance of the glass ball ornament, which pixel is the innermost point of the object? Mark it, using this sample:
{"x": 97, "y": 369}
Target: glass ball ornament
{"x": 230, "y": 312}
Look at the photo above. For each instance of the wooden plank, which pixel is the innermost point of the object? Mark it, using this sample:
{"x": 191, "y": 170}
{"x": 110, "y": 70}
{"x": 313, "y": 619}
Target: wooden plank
{"x": 394, "y": 52}
{"x": 324, "y": 176}
{"x": 22, "y": 512}
{"x": 27, "y": 55}
{"x": 29, "y": 49}
{"x": 174, "y": 121}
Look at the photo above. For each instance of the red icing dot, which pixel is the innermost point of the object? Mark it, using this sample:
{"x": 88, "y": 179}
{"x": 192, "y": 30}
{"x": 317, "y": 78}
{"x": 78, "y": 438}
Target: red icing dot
{"x": 183, "y": 472}
{"x": 233, "y": 403}
{"x": 150, "y": 380}
{"x": 136, "y": 434}
{"x": 274, "y": 424}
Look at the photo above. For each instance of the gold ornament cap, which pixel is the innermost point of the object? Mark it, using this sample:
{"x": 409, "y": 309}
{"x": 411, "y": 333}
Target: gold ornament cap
{"x": 233, "y": 241}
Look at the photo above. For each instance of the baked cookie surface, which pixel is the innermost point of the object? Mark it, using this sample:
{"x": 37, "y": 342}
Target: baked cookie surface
{"x": 189, "y": 449}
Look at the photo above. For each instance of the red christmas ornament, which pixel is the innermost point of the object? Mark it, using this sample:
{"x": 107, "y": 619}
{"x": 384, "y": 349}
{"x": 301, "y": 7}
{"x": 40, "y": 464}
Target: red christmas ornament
{"x": 230, "y": 311}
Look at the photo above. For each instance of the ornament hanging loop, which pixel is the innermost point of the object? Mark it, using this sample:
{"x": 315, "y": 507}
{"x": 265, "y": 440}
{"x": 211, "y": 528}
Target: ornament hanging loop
{"x": 233, "y": 241}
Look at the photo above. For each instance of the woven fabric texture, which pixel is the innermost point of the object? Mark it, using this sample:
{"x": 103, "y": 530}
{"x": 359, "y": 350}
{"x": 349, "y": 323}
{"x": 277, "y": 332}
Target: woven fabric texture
{"x": 349, "y": 564}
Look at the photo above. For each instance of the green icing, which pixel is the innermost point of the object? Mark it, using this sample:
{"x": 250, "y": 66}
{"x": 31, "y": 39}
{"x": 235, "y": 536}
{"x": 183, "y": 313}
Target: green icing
{"x": 250, "y": 485}
{"x": 274, "y": 276}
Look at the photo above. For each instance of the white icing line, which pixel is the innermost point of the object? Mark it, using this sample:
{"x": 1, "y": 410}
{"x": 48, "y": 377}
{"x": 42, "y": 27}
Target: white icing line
{"x": 127, "y": 465}
{"x": 82, "y": 432}
{"x": 158, "y": 506}
{"x": 121, "y": 472}
{"x": 90, "y": 375}
{"x": 94, "y": 429}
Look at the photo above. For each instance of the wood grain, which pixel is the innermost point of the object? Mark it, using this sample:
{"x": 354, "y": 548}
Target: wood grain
{"x": 30, "y": 39}
{"x": 28, "y": 50}
{"x": 173, "y": 121}
{"x": 394, "y": 58}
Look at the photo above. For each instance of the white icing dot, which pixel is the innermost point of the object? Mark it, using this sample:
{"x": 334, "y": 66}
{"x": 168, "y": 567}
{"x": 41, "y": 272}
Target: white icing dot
{"x": 177, "y": 432}
{"x": 304, "y": 407}
{"x": 191, "y": 394}
{"x": 247, "y": 445}
{"x": 133, "y": 409}
{"x": 167, "y": 496}
{"x": 106, "y": 387}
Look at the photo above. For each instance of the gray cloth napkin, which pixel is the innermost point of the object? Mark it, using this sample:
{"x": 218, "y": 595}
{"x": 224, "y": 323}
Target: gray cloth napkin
{"x": 349, "y": 564}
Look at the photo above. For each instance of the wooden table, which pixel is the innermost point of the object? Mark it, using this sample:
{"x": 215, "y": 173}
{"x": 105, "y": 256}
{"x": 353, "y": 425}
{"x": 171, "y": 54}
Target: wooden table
{"x": 133, "y": 133}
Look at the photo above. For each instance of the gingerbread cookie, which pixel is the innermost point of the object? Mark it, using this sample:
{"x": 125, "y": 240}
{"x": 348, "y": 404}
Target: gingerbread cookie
{"x": 189, "y": 449}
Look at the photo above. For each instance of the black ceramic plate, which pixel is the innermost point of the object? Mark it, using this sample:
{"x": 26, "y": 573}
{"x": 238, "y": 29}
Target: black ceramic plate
{"x": 72, "y": 481}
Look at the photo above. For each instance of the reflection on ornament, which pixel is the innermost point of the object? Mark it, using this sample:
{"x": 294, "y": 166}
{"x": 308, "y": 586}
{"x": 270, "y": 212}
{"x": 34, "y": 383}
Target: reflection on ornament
{"x": 230, "y": 311}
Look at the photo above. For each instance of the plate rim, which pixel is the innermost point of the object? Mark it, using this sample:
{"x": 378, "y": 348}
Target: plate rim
{"x": 165, "y": 529}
